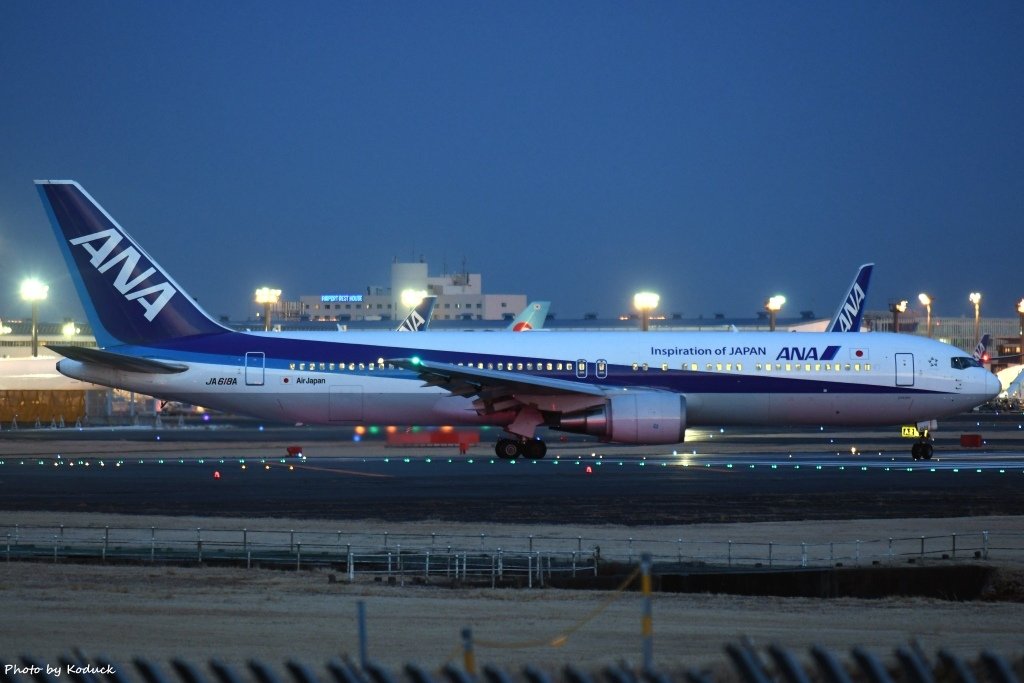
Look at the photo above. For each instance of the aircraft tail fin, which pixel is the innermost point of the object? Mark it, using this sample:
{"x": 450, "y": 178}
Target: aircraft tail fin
{"x": 127, "y": 296}
{"x": 418, "y": 319}
{"x": 532, "y": 317}
{"x": 981, "y": 350}
{"x": 850, "y": 313}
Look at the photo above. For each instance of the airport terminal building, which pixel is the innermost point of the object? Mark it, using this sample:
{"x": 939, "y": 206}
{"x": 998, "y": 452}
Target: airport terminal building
{"x": 460, "y": 296}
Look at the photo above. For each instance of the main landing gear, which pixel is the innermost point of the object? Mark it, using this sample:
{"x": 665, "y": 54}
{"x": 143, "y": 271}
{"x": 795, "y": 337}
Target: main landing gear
{"x": 510, "y": 449}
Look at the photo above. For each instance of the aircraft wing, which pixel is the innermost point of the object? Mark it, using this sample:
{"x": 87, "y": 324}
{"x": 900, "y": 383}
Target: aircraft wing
{"x": 497, "y": 390}
{"x": 117, "y": 361}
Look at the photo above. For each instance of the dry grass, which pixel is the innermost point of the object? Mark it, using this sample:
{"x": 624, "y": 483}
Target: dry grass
{"x": 237, "y": 614}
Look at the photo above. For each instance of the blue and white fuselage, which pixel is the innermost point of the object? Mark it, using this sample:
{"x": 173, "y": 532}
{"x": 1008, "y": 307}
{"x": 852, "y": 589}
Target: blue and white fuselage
{"x": 629, "y": 387}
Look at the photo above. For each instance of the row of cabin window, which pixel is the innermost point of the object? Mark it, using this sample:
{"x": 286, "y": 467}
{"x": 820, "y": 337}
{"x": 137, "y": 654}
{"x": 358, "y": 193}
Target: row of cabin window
{"x": 765, "y": 367}
{"x": 341, "y": 367}
{"x": 540, "y": 366}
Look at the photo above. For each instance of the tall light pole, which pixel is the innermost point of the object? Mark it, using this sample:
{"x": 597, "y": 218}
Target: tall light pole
{"x": 34, "y": 291}
{"x": 927, "y": 301}
{"x": 268, "y": 297}
{"x": 773, "y": 306}
{"x": 975, "y": 298}
{"x": 645, "y": 302}
{"x": 897, "y": 307}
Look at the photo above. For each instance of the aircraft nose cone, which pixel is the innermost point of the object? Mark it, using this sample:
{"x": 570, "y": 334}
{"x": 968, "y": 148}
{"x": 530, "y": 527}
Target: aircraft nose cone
{"x": 992, "y": 386}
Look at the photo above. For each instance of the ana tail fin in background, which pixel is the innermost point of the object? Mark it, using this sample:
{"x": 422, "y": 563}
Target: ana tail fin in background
{"x": 418, "y": 319}
{"x": 850, "y": 313}
{"x": 127, "y": 296}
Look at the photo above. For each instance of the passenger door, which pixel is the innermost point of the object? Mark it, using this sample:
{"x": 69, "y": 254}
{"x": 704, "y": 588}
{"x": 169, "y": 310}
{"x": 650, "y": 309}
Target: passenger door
{"x": 255, "y": 365}
{"x": 904, "y": 369}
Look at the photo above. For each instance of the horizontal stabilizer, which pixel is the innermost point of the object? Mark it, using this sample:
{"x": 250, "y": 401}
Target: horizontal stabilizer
{"x": 117, "y": 361}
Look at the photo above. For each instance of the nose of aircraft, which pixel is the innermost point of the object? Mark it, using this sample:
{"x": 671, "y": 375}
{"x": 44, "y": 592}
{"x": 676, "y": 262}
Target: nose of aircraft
{"x": 992, "y": 386}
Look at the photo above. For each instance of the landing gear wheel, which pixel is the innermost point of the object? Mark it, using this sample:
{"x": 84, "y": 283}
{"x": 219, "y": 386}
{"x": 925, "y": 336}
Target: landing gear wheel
{"x": 922, "y": 450}
{"x": 507, "y": 449}
{"x": 534, "y": 449}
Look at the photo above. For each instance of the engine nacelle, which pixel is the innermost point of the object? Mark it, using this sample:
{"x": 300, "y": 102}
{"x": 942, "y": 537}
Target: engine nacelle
{"x": 642, "y": 417}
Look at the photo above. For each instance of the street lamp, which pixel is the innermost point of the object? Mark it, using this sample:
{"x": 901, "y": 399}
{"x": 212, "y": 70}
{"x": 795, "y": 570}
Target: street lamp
{"x": 897, "y": 307}
{"x": 927, "y": 301}
{"x": 645, "y": 302}
{"x": 975, "y": 298}
{"x": 411, "y": 298}
{"x": 34, "y": 291}
{"x": 773, "y": 306}
{"x": 268, "y": 297}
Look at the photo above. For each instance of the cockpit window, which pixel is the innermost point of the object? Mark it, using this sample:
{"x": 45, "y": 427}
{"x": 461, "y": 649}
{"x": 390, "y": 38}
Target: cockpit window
{"x": 963, "y": 362}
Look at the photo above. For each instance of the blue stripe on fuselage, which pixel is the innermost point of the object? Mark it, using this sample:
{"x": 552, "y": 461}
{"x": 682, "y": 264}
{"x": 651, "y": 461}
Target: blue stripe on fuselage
{"x": 230, "y": 348}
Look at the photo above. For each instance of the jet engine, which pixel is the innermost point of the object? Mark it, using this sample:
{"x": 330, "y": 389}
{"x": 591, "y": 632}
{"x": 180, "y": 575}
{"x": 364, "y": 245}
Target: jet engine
{"x": 642, "y": 417}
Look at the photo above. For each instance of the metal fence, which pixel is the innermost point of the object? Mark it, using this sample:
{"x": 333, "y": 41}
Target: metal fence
{"x": 746, "y": 664}
{"x": 460, "y": 556}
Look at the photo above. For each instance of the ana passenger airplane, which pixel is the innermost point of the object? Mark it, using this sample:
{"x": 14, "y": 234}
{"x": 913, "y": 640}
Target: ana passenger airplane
{"x": 626, "y": 387}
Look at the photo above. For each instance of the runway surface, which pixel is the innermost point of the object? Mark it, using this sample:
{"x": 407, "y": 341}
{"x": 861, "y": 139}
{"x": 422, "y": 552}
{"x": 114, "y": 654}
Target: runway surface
{"x": 717, "y": 476}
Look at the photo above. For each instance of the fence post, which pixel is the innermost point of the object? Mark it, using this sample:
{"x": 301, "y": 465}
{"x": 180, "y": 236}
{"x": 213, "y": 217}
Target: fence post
{"x": 529, "y": 570}
{"x": 401, "y": 568}
{"x": 106, "y": 541}
{"x": 729, "y": 553}
{"x": 803, "y": 554}
{"x": 351, "y": 565}
{"x": 921, "y": 552}
{"x": 531, "y": 543}
{"x": 501, "y": 564}
{"x": 426, "y": 566}
{"x": 385, "y": 539}
{"x": 574, "y": 564}
{"x": 468, "y": 660}
{"x": 890, "y": 550}
{"x": 361, "y": 618}
{"x": 856, "y": 551}
{"x": 55, "y": 537}
{"x": 770, "y": 553}
{"x": 954, "y": 546}
{"x": 245, "y": 540}
{"x": 298, "y": 556}
{"x": 291, "y": 539}
{"x": 647, "y": 622}
{"x": 199, "y": 550}
{"x": 984, "y": 544}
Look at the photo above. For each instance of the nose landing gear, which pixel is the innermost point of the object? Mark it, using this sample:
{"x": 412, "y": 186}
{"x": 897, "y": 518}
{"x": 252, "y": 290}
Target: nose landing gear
{"x": 922, "y": 450}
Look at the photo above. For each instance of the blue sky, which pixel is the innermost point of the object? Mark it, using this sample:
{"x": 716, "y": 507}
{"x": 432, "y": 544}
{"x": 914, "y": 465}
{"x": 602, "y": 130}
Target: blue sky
{"x": 717, "y": 152}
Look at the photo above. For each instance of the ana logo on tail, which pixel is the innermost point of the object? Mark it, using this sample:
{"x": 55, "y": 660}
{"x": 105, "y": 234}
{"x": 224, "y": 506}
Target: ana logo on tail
{"x": 851, "y": 311}
{"x": 104, "y": 258}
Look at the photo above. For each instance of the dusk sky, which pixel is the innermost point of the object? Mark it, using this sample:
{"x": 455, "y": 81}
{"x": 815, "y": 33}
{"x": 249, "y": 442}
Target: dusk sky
{"x": 715, "y": 152}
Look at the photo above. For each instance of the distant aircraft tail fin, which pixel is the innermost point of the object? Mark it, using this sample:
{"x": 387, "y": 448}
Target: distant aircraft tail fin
{"x": 532, "y": 317}
{"x": 850, "y": 313}
{"x": 127, "y": 296}
{"x": 418, "y": 319}
{"x": 981, "y": 350}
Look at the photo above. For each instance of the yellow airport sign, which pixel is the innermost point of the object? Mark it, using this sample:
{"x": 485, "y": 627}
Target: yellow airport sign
{"x": 910, "y": 432}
